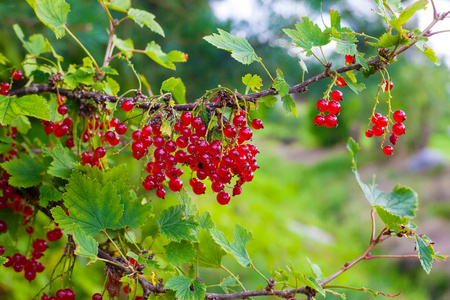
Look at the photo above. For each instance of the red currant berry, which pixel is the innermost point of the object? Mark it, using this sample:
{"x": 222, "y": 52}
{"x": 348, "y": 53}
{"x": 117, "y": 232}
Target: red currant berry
{"x": 16, "y": 74}
{"x": 62, "y": 110}
{"x": 99, "y": 152}
{"x": 70, "y": 143}
{"x": 3, "y": 226}
{"x": 114, "y": 122}
{"x": 322, "y": 105}
{"x": 398, "y": 128}
{"x": 51, "y": 236}
{"x": 382, "y": 121}
{"x": 97, "y": 296}
{"x": 334, "y": 107}
{"x": 45, "y": 297}
{"x": 349, "y": 59}
{"x": 377, "y": 130}
{"x": 4, "y": 92}
{"x": 387, "y": 150}
{"x": 30, "y": 275}
{"x": 239, "y": 121}
{"x": 186, "y": 118}
{"x": 388, "y": 87}
{"x": 229, "y": 131}
{"x": 341, "y": 81}
{"x": 121, "y": 129}
{"x": 393, "y": 139}
{"x": 375, "y": 117}
{"x": 29, "y": 230}
{"x": 330, "y": 121}
{"x": 319, "y": 120}
{"x": 112, "y": 138}
{"x": 70, "y": 294}
{"x": 2, "y": 250}
{"x": 237, "y": 190}
{"x": 336, "y": 95}
{"x": 4, "y": 86}
{"x": 40, "y": 245}
{"x": 369, "y": 133}
{"x": 175, "y": 185}
{"x": 196, "y": 122}
{"x": 199, "y": 188}
{"x": 257, "y": 124}
{"x": 399, "y": 116}
{"x": 217, "y": 186}
{"x": 18, "y": 268}
{"x": 127, "y": 105}
{"x": 223, "y": 198}
{"x": 245, "y": 133}
{"x": 61, "y": 294}
{"x": 160, "y": 193}
{"x": 137, "y": 135}
{"x": 48, "y": 129}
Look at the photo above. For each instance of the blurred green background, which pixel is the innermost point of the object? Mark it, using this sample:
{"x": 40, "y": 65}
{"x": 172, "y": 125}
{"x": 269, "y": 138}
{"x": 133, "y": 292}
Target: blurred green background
{"x": 304, "y": 201}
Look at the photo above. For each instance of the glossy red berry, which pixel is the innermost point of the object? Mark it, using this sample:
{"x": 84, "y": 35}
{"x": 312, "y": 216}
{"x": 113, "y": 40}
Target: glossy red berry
{"x": 388, "y": 87}
{"x": 4, "y": 86}
{"x": 121, "y": 129}
{"x": 61, "y": 294}
{"x": 399, "y": 116}
{"x": 70, "y": 143}
{"x": 341, "y": 82}
{"x": 382, "y": 121}
{"x": 334, "y": 107}
{"x": 336, "y": 95}
{"x": 387, "y": 150}
{"x": 349, "y": 59}
{"x": 199, "y": 188}
{"x": 160, "y": 193}
{"x": 196, "y": 122}
{"x": 377, "y": 130}
{"x": 3, "y": 226}
{"x": 97, "y": 296}
{"x": 2, "y": 250}
{"x": 322, "y": 105}
{"x": 99, "y": 152}
{"x": 112, "y": 138}
{"x": 29, "y": 230}
{"x": 16, "y": 74}
{"x": 229, "y": 131}
{"x": 30, "y": 275}
{"x": 369, "y": 133}
{"x": 319, "y": 120}
{"x": 393, "y": 139}
{"x": 245, "y": 133}
{"x": 62, "y": 110}
{"x": 186, "y": 118}
{"x": 223, "y": 198}
{"x": 70, "y": 294}
{"x": 375, "y": 117}
{"x": 45, "y": 297}
{"x": 257, "y": 124}
{"x": 239, "y": 121}
{"x": 398, "y": 128}
{"x": 127, "y": 105}
{"x": 48, "y": 129}
{"x": 114, "y": 122}
{"x": 330, "y": 121}
{"x": 175, "y": 184}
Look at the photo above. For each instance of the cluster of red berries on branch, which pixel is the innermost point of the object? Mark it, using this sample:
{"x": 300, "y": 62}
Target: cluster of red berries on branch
{"x": 329, "y": 110}
{"x": 380, "y": 127}
{"x": 61, "y": 294}
{"x": 5, "y": 86}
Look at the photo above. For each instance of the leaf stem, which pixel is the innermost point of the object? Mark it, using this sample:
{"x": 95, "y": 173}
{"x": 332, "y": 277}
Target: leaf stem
{"x": 372, "y": 217}
{"x": 234, "y": 276}
{"x": 84, "y": 48}
{"x": 257, "y": 271}
{"x": 112, "y": 241}
{"x": 265, "y": 69}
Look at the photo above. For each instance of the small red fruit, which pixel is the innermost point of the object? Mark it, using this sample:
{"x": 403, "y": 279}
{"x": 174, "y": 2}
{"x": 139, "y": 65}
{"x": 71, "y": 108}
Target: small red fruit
{"x": 398, "y": 128}
{"x": 330, "y": 121}
{"x": 341, "y": 81}
{"x": 16, "y": 74}
{"x": 336, "y": 95}
{"x": 319, "y": 120}
{"x": 349, "y": 59}
{"x": 369, "y": 133}
{"x": 378, "y": 131}
{"x": 399, "y": 116}
{"x": 62, "y": 110}
{"x": 223, "y": 198}
{"x": 388, "y": 87}
{"x": 334, "y": 107}
{"x": 257, "y": 124}
{"x": 127, "y": 105}
{"x": 322, "y": 105}
{"x": 387, "y": 150}
{"x": 393, "y": 139}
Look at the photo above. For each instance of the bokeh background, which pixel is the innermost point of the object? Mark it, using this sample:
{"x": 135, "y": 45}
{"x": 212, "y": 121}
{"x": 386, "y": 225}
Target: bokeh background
{"x": 304, "y": 201}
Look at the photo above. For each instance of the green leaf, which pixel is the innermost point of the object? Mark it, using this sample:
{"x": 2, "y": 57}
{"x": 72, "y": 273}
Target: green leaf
{"x": 3, "y": 59}
{"x": 209, "y": 254}
{"x": 32, "y": 105}
{"x": 2, "y": 260}
{"x": 407, "y": 13}
{"x": 204, "y": 220}
{"x": 126, "y": 46}
{"x": 393, "y": 222}
{"x": 134, "y": 213}
{"x": 110, "y": 86}
{"x": 154, "y": 51}
{"x": 252, "y": 82}
{"x": 25, "y": 171}
{"x": 22, "y": 124}
{"x": 307, "y": 35}
{"x": 93, "y": 206}
{"x": 227, "y": 284}
{"x": 280, "y": 84}
{"x": 173, "y": 225}
{"x": 345, "y": 47}
{"x": 119, "y": 5}
{"x": 269, "y": 100}
{"x": 401, "y": 202}
{"x": 186, "y": 289}
{"x": 109, "y": 70}
{"x": 176, "y": 87}
{"x": 142, "y": 17}
{"x": 356, "y": 87}
{"x": 312, "y": 282}
{"x": 14, "y": 222}
{"x": 316, "y": 270}
{"x": 431, "y": 56}
{"x": 47, "y": 193}
{"x": 150, "y": 228}
{"x": 178, "y": 253}
{"x": 186, "y": 200}
{"x": 361, "y": 60}
{"x": 240, "y": 48}
{"x": 86, "y": 245}
{"x": 79, "y": 76}
{"x": 63, "y": 158}
{"x": 425, "y": 254}
{"x": 394, "y": 5}
{"x": 36, "y": 45}
{"x": 387, "y": 41}
{"x": 237, "y": 248}
{"x": 289, "y": 105}
{"x": 335, "y": 19}
{"x": 53, "y": 13}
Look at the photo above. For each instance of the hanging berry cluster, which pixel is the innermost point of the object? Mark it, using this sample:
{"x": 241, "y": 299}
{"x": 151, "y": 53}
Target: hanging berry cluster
{"x": 329, "y": 110}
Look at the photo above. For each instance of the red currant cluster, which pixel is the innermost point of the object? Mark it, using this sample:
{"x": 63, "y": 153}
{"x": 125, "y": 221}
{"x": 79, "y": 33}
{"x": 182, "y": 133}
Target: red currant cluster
{"x": 333, "y": 107}
{"x": 61, "y": 294}
{"x": 218, "y": 160}
{"x": 4, "y": 86}
{"x": 379, "y": 128}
